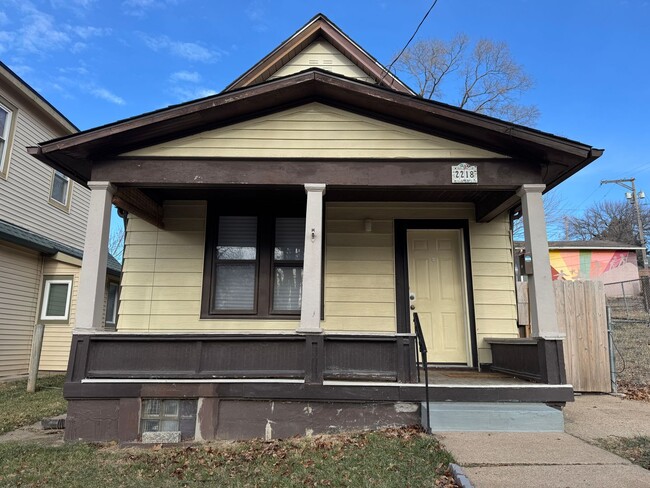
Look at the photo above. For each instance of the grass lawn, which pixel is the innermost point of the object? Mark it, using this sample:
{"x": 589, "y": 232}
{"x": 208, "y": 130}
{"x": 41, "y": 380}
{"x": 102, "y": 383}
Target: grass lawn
{"x": 20, "y": 408}
{"x": 393, "y": 457}
{"x": 636, "y": 449}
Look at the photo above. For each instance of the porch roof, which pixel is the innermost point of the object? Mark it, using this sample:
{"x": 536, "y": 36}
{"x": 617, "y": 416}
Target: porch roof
{"x": 557, "y": 157}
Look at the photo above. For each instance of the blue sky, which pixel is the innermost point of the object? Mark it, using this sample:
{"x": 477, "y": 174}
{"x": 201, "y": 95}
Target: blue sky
{"x": 98, "y": 61}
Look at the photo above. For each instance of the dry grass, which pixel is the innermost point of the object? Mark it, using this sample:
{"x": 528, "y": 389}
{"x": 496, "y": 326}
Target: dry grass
{"x": 20, "y": 408}
{"x": 632, "y": 342}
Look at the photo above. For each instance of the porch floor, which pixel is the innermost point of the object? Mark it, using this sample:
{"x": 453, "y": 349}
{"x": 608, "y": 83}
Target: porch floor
{"x": 470, "y": 377}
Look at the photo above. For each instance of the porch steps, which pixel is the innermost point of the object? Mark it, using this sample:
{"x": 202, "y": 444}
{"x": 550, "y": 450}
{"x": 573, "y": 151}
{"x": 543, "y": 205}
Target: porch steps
{"x": 492, "y": 417}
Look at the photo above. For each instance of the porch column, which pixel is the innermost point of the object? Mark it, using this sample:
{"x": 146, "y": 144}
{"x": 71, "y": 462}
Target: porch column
{"x": 92, "y": 283}
{"x": 313, "y": 259}
{"x": 540, "y": 285}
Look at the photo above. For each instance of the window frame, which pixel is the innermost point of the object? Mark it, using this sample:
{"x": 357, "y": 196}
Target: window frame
{"x": 56, "y": 280}
{"x": 112, "y": 322}
{"x": 68, "y": 192}
{"x": 266, "y": 213}
{"x": 7, "y": 137}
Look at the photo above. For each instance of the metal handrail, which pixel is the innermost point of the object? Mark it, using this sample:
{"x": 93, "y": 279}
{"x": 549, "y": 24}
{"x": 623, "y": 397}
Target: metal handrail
{"x": 423, "y": 353}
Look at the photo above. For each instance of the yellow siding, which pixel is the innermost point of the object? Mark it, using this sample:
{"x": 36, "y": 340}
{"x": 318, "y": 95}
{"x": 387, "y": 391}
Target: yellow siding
{"x": 359, "y": 268}
{"x": 163, "y": 270}
{"x": 57, "y": 337}
{"x": 321, "y": 54}
{"x": 314, "y": 130}
{"x": 163, "y": 275}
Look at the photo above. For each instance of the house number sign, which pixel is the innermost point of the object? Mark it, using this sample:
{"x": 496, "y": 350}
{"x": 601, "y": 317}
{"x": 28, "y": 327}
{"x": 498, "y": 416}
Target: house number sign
{"x": 464, "y": 173}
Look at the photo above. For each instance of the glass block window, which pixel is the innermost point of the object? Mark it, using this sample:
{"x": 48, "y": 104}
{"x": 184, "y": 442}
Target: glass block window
{"x": 163, "y": 415}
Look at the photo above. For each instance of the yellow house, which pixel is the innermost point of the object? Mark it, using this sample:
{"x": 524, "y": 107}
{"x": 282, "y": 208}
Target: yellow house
{"x": 282, "y": 238}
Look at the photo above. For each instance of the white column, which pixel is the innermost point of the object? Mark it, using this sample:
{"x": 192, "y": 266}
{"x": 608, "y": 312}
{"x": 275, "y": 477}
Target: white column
{"x": 92, "y": 284}
{"x": 540, "y": 285}
{"x": 313, "y": 261}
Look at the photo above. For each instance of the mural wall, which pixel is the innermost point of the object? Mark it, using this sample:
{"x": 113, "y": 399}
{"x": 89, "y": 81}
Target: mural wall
{"x": 594, "y": 264}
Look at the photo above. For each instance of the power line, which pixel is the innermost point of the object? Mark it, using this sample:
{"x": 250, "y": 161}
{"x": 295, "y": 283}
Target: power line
{"x": 390, "y": 66}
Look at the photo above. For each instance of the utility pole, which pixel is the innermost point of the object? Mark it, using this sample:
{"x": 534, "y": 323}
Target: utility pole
{"x": 628, "y": 184}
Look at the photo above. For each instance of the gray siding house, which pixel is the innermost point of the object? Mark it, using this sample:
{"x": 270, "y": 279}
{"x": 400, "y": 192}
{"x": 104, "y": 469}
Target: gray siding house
{"x": 43, "y": 218}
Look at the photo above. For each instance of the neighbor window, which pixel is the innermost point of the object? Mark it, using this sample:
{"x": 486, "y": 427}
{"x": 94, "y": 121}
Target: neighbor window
{"x": 111, "y": 304}
{"x": 160, "y": 415}
{"x": 5, "y": 126}
{"x": 254, "y": 266}
{"x": 60, "y": 191}
{"x": 56, "y": 299}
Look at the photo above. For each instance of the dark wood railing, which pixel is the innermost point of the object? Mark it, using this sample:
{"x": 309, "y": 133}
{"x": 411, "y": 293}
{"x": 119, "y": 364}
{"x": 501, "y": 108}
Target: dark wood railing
{"x": 422, "y": 346}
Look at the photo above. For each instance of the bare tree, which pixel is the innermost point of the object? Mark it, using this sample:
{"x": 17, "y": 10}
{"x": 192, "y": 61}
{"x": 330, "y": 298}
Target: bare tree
{"x": 554, "y": 216}
{"x": 116, "y": 242}
{"x": 486, "y": 77}
{"x": 610, "y": 221}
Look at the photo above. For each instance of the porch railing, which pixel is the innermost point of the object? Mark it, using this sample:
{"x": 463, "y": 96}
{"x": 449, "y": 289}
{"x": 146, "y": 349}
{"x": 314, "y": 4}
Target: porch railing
{"x": 422, "y": 346}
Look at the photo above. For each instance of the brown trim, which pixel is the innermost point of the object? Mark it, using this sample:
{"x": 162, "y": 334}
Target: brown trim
{"x": 534, "y": 359}
{"x": 401, "y": 272}
{"x": 313, "y": 358}
{"x": 266, "y": 206}
{"x": 317, "y": 392}
{"x": 319, "y": 26}
{"x": 494, "y": 174}
{"x": 136, "y": 202}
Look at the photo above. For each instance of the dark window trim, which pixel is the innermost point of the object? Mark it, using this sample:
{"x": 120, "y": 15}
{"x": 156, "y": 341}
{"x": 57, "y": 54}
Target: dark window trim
{"x": 401, "y": 272}
{"x": 266, "y": 212}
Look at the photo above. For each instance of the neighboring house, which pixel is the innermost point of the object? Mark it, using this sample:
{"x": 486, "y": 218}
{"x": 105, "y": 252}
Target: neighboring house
{"x": 613, "y": 263}
{"x": 282, "y": 234}
{"x": 43, "y": 217}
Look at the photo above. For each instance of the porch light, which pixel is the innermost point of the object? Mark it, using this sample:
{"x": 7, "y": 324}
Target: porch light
{"x": 368, "y": 225}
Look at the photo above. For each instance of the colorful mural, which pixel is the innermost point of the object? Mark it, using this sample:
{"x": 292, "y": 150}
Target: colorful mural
{"x": 588, "y": 264}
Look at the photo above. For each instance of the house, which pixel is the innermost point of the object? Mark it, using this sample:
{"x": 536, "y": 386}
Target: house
{"x": 613, "y": 263}
{"x": 43, "y": 217}
{"x": 281, "y": 236}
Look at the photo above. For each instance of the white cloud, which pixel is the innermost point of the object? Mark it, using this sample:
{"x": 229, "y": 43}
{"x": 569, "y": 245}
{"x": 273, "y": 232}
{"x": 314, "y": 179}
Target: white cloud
{"x": 104, "y": 94}
{"x": 88, "y": 31}
{"x": 256, "y": 13}
{"x": 39, "y": 32}
{"x": 185, "y": 94}
{"x": 139, "y": 8}
{"x": 191, "y": 76}
{"x": 186, "y": 50}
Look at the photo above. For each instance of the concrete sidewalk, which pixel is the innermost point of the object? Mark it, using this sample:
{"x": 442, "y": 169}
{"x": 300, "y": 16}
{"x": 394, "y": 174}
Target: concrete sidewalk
{"x": 494, "y": 459}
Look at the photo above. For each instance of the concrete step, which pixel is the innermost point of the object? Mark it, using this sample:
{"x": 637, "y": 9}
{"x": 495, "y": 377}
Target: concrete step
{"x": 492, "y": 417}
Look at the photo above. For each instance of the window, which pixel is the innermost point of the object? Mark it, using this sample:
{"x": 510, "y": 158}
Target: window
{"x": 111, "y": 304}
{"x": 254, "y": 264}
{"x": 56, "y": 299}
{"x": 169, "y": 416}
{"x": 60, "y": 191}
{"x": 5, "y": 126}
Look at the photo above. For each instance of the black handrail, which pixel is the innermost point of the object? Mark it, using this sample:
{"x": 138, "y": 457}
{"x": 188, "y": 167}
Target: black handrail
{"x": 423, "y": 353}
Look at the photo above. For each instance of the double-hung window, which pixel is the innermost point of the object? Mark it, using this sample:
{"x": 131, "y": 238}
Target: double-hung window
{"x": 5, "y": 127}
{"x": 60, "y": 191}
{"x": 253, "y": 264}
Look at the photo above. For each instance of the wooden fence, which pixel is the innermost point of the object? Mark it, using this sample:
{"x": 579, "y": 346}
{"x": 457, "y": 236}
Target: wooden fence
{"x": 581, "y": 316}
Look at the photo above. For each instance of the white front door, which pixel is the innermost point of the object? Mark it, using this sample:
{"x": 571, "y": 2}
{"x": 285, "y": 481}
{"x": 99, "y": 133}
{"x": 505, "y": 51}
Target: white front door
{"x": 437, "y": 287}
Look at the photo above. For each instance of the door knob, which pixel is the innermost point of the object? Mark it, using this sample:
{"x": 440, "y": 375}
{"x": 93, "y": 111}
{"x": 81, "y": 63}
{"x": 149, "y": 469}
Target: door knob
{"x": 412, "y": 296}
{"x": 412, "y": 307}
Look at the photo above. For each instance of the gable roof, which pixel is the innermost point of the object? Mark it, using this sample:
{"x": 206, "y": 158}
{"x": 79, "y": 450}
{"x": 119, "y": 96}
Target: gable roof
{"x": 36, "y": 98}
{"x": 319, "y": 27}
{"x": 74, "y": 155}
